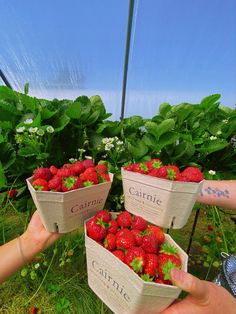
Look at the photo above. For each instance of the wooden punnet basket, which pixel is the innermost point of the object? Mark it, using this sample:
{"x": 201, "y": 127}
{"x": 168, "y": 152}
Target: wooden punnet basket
{"x": 66, "y": 211}
{"x": 162, "y": 202}
{"x": 120, "y": 288}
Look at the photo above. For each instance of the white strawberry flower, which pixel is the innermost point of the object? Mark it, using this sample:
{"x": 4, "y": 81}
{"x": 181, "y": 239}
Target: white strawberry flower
{"x": 33, "y": 130}
{"x": 28, "y": 121}
{"x": 81, "y": 150}
{"x": 36, "y": 266}
{"x": 72, "y": 160}
{"x": 212, "y": 138}
{"x": 88, "y": 157}
{"x": 218, "y": 132}
{"x": 50, "y": 129}
{"x": 40, "y": 132}
{"x": 225, "y": 121}
{"x": 109, "y": 146}
{"x": 212, "y": 172}
{"x": 20, "y": 129}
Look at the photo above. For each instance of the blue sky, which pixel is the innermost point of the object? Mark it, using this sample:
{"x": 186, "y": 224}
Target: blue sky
{"x": 181, "y": 50}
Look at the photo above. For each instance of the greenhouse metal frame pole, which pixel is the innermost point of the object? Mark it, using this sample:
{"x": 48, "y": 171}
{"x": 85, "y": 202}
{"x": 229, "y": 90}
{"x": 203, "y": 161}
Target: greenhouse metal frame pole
{"x": 5, "y": 80}
{"x": 126, "y": 62}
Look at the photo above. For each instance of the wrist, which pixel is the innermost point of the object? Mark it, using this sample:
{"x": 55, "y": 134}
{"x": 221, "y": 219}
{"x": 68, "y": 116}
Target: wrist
{"x": 29, "y": 246}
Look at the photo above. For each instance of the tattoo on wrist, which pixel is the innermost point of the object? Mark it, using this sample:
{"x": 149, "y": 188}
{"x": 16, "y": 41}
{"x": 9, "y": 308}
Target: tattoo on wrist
{"x": 215, "y": 192}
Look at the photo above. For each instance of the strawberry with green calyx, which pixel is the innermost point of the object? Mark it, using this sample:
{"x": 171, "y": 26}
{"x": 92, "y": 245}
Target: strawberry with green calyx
{"x": 53, "y": 170}
{"x": 96, "y": 229}
{"x": 119, "y": 254}
{"x": 192, "y": 174}
{"x": 78, "y": 167}
{"x": 125, "y": 240}
{"x": 124, "y": 219}
{"x": 147, "y": 278}
{"x": 71, "y": 183}
{"x": 153, "y": 173}
{"x": 157, "y": 232}
{"x": 135, "y": 258}
{"x": 150, "y": 244}
{"x": 104, "y": 215}
{"x": 110, "y": 241}
{"x": 113, "y": 226}
{"x": 151, "y": 267}
{"x": 54, "y": 183}
{"x": 40, "y": 185}
{"x": 141, "y": 168}
{"x": 104, "y": 177}
{"x": 42, "y": 173}
{"x": 154, "y": 163}
{"x": 101, "y": 168}
{"x": 89, "y": 175}
{"x": 139, "y": 223}
{"x": 138, "y": 236}
{"x": 172, "y": 173}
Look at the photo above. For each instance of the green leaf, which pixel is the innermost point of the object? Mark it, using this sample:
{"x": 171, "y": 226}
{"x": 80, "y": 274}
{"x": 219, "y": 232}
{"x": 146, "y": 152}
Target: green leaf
{"x": 3, "y": 179}
{"x": 150, "y": 141}
{"x": 211, "y": 146}
{"x": 167, "y": 139}
{"x": 185, "y": 149}
{"x": 209, "y": 101}
{"x": 74, "y": 110}
{"x": 27, "y": 151}
{"x": 158, "y": 130}
{"x": 7, "y": 155}
{"x": 61, "y": 123}
{"x": 164, "y": 108}
{"x": 138, "y": 149}
{"x": 93, "y": 118}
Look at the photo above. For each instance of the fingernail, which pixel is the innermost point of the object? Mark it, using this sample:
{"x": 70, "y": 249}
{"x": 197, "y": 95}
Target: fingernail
{"x": 176, "y": 274}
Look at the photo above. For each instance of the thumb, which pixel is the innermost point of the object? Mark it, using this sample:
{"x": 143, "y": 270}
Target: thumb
{"x": 197, "y": 288}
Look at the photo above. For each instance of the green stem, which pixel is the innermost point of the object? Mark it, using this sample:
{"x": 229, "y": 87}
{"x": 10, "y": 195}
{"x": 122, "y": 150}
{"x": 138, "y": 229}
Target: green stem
{"x": 45, "y": 275}
{"x": 222, "y": 230}
{"x": 209, "y": 269}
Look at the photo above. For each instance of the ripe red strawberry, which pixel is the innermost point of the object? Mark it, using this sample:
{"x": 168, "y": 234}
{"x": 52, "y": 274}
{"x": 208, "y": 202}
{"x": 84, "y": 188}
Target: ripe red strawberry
{"x": 65, "y": 172}
{"x": 172, "y": 172}
{"x": 120, "y": 254}
{"x": 67, "y": 166}
{"x": 122, "y": 231}
{"x": 87, "y": 163}
{"x": 124, "y": 219}
{"x": 193, "y": 174}
{"x": 101, "y": 168}
{"x": 42, "y": 173}
{"x": 183, "y": 178}
{"x": 34, "y": 310}
{"x": 138, "y": 236}
{"x": 78, "y": 167}
{"x": 151, "y": 265}
{"x": 54, "y": 183}
{"x": 113, "y": 226}
{"x": 53, "y": 170}
{"x": 129, "y": 167}
{"x": 154, "y": 163}
{"x": 104, "y": 177}
{"x": 159, "y": 280}
{"x": 104, "y": 215}
{"x": 96, "y": 229}
{"x": 158, "y": 233}
{"x": 167, "y": 259}
{"x": 40, "y": 185}
{"x": 71, "y": 183}
{"x": 139, "y": 223}
{"x": 153, "y": 173}
{"x": 150, "y": 244}
{"x": 89, "y": 175}
{"x": 135, "y": 258}
{"x": 12, "y": 193}
{"x": 140, "y": 168}
{"x": 210, "y": 227}
{"x": 110, "y": 241}
{"x": 125, "y": 240}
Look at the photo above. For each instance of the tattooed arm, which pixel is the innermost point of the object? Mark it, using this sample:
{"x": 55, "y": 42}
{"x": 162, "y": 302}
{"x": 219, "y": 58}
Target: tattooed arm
{"x": 220, "y": 193}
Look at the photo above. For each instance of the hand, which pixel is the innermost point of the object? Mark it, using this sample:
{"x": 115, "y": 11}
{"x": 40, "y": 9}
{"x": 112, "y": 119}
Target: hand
{"x": 204, "y": 297}
{"x": 36, "y": 236}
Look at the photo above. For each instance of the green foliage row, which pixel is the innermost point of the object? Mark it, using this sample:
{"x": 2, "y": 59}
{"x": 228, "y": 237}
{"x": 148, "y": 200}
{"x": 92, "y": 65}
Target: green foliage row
{"x": 38, "y": 132}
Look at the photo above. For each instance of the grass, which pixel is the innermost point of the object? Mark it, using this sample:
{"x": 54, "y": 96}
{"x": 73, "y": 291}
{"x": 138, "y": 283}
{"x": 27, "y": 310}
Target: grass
{"x": 59, "y": 285}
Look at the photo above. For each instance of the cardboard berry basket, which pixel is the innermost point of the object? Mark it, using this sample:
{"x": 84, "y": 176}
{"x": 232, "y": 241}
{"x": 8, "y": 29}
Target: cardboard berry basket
{"x": 66, "y": 211}
{"x": 120, "y": 288}
{"x": 162, "y": 202}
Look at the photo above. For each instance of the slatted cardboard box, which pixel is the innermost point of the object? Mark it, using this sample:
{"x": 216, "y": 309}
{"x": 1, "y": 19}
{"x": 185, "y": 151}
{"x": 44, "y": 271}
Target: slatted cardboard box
{"x": 120, "y": 288}
{"x": 162, "y": 202}
{"x": 66, "y": 211}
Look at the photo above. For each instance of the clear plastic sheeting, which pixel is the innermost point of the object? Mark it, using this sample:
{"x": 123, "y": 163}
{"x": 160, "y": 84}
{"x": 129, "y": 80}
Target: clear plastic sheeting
{"x": 64, "y": 49}
{"x": 181, "y": 51}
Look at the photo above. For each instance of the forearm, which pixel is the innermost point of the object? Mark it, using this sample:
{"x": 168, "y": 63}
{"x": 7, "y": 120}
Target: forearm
{"x": 14, "y": 256}
{"x": 219, "y": 193}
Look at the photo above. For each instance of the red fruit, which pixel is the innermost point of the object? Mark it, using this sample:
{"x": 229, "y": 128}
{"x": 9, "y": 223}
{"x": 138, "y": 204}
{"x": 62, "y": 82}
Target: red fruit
{"x": 53, "y": 170}
{"x": 135, "y": 258}
{"x": 124, "y": 219}
{"x": 40, "y": 185}
{"x": 153, "y": 173}
{"x": 12, "y": 193}
{"x": 113, "y": 226}
{"x": 101, "y": 168}
{"x": 65, "y": 172}
{"x": 89, "y": 175}
{"x": 104, "y": 177}
{"x": 120, "y": 254}
{"x": 167, "y": 259}
{"x": 129, "y": 167}
{"x": 193, "y": 174}
{"x": 122, "y": 231}
{"x": 141, "y": 168}
{"x": 151, "y": 265}
{"x": 71, "y": 183}
{"x": 172, "y": 173}
{"x": 78, "y": 167}
{"x": 183, "y": 178}
{"x": 154, "y": 163}
{"x": 87, "y": 163}
{"x": 110, "y": 242}
{"x": 104, "y": 215}
{"x": 96, "y": 230}
{"x": 34, "y": 310}
{"x": 160, "y": 281}
{"x": 210, "y": 227}
{"x": 54, "y": 183}
{"x": 42, "y": 173}
{"x": 158, "y": 233}
{"x": 139, "y": 223}
{"x": 125, "y": 240}
{"x": 138, "y": 236}
{"x": 150, "y": 244}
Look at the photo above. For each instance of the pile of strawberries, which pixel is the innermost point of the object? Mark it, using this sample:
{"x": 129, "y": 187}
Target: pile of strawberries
{"x": 70, "y": 176}
{"x": 135, "y": 243}
{"x": 155, "y": 168}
